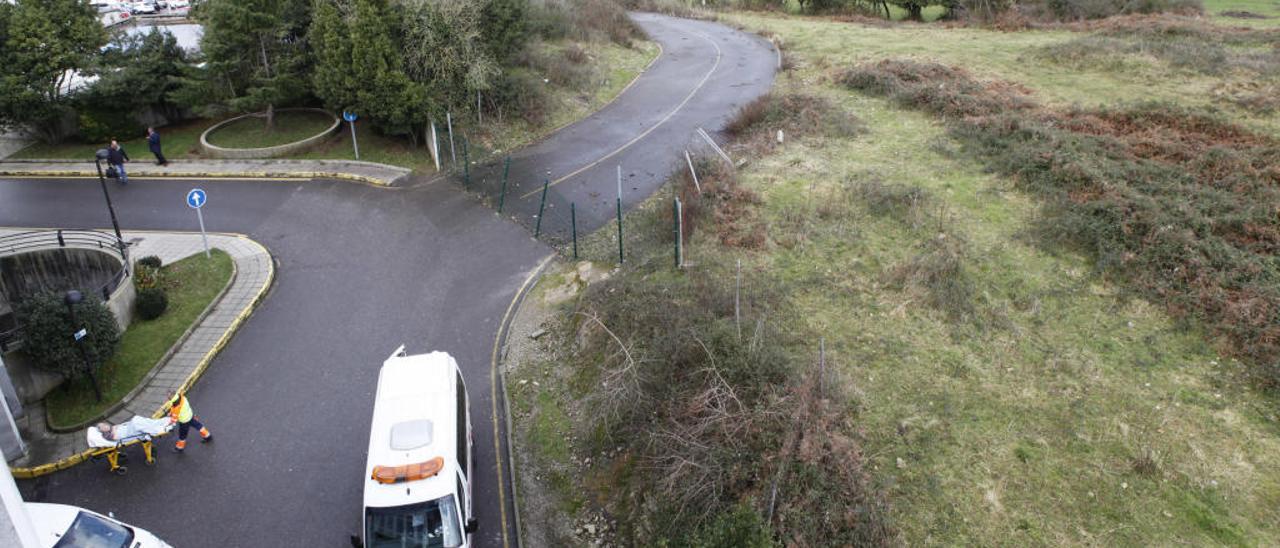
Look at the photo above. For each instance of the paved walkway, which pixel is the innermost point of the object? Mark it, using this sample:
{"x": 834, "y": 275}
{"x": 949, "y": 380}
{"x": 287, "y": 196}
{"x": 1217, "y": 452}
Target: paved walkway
{"x": 50, "y": 451}
{"x": 365, "y": 172}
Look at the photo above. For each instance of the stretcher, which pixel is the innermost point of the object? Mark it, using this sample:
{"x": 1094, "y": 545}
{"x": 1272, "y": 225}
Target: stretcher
{"x": 138, "y": 431}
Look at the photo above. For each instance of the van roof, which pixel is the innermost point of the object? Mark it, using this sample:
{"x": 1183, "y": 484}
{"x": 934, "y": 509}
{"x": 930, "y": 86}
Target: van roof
{"x": 414, "y": 420}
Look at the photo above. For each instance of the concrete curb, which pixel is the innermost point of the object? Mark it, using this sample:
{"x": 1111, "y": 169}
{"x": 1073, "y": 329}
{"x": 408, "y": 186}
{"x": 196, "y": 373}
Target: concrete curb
{"x": 222, "y": 175}
{"x": 228, "y": 333}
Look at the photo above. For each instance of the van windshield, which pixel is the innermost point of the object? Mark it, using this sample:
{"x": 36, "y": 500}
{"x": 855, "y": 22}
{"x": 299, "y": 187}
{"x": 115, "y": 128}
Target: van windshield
{"x": 432, "y": 524}
{"x": 90, "y": 531}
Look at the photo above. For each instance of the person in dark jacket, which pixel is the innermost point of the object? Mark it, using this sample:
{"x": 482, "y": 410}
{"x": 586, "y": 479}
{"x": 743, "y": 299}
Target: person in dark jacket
{"x": 116, "y": 157}
{"x": 153, "y": 142}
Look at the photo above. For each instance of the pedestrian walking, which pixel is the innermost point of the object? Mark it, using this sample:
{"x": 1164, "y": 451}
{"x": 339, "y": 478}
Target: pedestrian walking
{"x": 180, "y": 412}
{"x": 153, "y": 142}
{"x": 116, "y": 157}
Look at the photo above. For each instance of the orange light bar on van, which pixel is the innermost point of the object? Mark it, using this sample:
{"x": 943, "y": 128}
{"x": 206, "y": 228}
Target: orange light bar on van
{"x": 408, "y": 472}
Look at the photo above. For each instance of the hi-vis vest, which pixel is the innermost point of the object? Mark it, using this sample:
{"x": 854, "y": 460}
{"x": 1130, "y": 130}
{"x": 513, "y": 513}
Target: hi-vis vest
{"x": 180, "y": 409}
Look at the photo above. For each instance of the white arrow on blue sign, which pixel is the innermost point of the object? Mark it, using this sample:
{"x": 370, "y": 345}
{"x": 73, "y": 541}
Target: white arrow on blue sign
{"x": 196, "y": 198}
{"x": 348, "y": 116}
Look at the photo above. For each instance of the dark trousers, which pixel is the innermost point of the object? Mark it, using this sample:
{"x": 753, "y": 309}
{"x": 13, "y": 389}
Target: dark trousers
{"x": 159, "y": 156}
{"x": 184, "y": 426}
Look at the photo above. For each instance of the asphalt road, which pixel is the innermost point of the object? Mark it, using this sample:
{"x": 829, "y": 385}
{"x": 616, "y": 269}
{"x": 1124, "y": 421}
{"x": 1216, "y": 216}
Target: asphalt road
{"x": 360, "y": 271}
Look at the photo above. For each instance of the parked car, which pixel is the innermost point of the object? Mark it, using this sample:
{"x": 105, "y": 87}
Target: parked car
{"x": 59, "y": 525}
{"x": 143, "y": 6}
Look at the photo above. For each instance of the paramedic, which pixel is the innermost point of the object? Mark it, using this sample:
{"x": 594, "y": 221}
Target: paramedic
{"x": 180, "y": 412}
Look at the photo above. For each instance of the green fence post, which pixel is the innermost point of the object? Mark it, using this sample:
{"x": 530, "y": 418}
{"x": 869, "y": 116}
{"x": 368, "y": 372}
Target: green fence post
{"x": 619, "y": 230}
{"x": 541, "y": 207}
{"x": 573, "y": 222}
{"x": 466, "y": 164}
{"x": 502, "y": 200}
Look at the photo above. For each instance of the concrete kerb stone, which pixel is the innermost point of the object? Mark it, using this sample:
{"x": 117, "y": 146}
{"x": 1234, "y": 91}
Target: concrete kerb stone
{"x": 184, "y": 384}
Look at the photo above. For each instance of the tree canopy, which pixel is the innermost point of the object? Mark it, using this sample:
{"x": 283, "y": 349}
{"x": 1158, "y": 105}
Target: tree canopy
{"x": 44, "y": 43}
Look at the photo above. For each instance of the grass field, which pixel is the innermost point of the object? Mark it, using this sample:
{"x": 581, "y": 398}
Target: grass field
{"x": 1058, "y": 408}
{"x": 608, "y": 68}
{"x": 1071, "y": 414}
{"x": 288, "y": 127}
{"x": 191, "y": 284}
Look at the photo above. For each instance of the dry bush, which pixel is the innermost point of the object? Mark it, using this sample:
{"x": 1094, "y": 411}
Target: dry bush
{"x": 1177, "y": 205}
{"x": 937, "y": 88}
{"x": 729, "y": 207}
{"x": 905, "y": 203}
{"x": 1185, "y": 43}
{"x": 709, "y": 415}
{"x": 575, "y": 54}
{"x": 755, "y": 126}
{"x": 939, "y": 269}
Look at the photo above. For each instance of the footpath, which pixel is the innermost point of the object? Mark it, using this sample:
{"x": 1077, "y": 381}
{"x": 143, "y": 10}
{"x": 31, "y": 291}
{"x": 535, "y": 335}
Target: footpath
{"x": 49, "y": 451}
{"x": 351, "y": 170}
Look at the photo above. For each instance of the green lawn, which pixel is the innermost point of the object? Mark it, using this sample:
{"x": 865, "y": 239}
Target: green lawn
{"x": 288, "y": 127}
{"x": 191, "y": 283}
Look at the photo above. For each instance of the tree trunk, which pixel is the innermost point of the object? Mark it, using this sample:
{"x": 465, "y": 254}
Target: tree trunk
{"x": 915, "y": 12}
{"x": 271, "y": 118}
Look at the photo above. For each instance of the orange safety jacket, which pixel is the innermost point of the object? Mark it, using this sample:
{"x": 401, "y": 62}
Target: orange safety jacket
{"x": 180, "y": 409}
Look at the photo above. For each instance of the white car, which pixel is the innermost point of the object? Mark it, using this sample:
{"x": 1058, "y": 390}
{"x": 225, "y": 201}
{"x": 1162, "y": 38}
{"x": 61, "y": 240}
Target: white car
{"x": 418, "y": 479}
{"x": 62, "y": 526}
{"x": 142, "y": 7}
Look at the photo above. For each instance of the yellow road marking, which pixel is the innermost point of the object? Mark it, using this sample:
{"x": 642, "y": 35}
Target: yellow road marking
{"x": 707, "y": 76}
{"x": 493, "y": 387}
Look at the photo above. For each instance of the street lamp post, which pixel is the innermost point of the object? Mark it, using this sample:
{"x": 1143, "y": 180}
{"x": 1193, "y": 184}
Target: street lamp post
{"x": 102, "y": 181}
{"x": 73, "y": 298}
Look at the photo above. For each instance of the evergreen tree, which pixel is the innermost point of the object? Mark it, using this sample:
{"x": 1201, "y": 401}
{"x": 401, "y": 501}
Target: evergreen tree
{"x": 255, "y": 56}
{"x": 45, "y": 42}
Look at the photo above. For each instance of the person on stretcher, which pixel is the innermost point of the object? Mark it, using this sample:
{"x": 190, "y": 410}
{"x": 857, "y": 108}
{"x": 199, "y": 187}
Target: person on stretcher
{"x": 137, "y": 427}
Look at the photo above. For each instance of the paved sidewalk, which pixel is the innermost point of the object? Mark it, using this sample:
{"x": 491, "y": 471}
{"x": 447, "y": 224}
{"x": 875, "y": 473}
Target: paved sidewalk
{"x": 365, "y": 172}
{"x": 50, "y": 451}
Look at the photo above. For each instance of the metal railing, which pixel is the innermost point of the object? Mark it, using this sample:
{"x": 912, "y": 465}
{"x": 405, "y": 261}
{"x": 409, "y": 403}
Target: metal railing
{"x": 42, "y": 240}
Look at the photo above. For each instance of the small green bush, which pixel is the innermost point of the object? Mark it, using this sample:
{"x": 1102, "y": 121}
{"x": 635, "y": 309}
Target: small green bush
{"x": 146, "y": 276}
{"x": 151, "y": 261}
{"x": 151, "y": 303}
{"x": 48, "y": 334}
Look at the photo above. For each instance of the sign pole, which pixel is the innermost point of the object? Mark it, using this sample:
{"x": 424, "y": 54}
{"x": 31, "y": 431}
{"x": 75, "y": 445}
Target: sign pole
{"x": 196, "y": 198}
{"x": 350, "y": 117}
{"x": 203, "y": 236}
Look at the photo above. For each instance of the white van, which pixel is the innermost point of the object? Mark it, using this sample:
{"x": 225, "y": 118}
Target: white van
{"x": 59, "y": 525}
{"x": 418, "y": 479}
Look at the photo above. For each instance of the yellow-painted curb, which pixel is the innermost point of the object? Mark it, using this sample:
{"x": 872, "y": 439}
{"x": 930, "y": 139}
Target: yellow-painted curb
{"x": 213, "y": 175}
{"x": 49, "y": 468}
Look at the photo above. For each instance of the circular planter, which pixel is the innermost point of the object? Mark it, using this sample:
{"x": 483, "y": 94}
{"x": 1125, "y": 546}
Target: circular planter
{"x": 215, "y": 151}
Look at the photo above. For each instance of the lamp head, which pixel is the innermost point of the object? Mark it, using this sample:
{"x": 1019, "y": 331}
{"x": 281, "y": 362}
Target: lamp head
{"x": 102, "y": 154}
{"x": 73, "y": 297}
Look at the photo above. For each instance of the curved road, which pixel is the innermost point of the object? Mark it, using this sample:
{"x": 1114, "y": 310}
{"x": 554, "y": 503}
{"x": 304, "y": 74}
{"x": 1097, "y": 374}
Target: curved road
{"x": 360, "y": 271}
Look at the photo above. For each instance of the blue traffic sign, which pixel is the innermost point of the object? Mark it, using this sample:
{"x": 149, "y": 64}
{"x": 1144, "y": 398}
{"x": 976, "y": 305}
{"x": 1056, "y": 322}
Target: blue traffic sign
{"x": 196, "y": 198}
{"x": 348, "y": 116}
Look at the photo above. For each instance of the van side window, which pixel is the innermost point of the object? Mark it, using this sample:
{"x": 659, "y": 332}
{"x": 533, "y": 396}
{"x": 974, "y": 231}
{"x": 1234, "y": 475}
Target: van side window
{"x": 464, "y": 459}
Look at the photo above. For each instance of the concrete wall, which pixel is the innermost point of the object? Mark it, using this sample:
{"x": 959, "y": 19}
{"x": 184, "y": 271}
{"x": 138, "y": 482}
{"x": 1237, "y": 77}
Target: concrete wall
{"x": 57, "y": 270}
{"x": 268, "y": 152}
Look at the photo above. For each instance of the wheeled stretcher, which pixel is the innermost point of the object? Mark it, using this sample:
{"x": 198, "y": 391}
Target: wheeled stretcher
{"x": 138, "y": 431}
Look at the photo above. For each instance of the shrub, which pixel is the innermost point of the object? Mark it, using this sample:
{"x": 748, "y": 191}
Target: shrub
{"x": 756, "y": 124}
{"x": 1074, "y": 10}
{"x": 99, "y": 125}
{"x": 1177, "y": 205}
{"x": 150, "y": 261}
{"x": 47, "y": 332}
{"x": 936, "y": 88}
{"x": 940, "y": 270}
{"x": 145, "y": 276}
{"x": 151, "y": 303}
